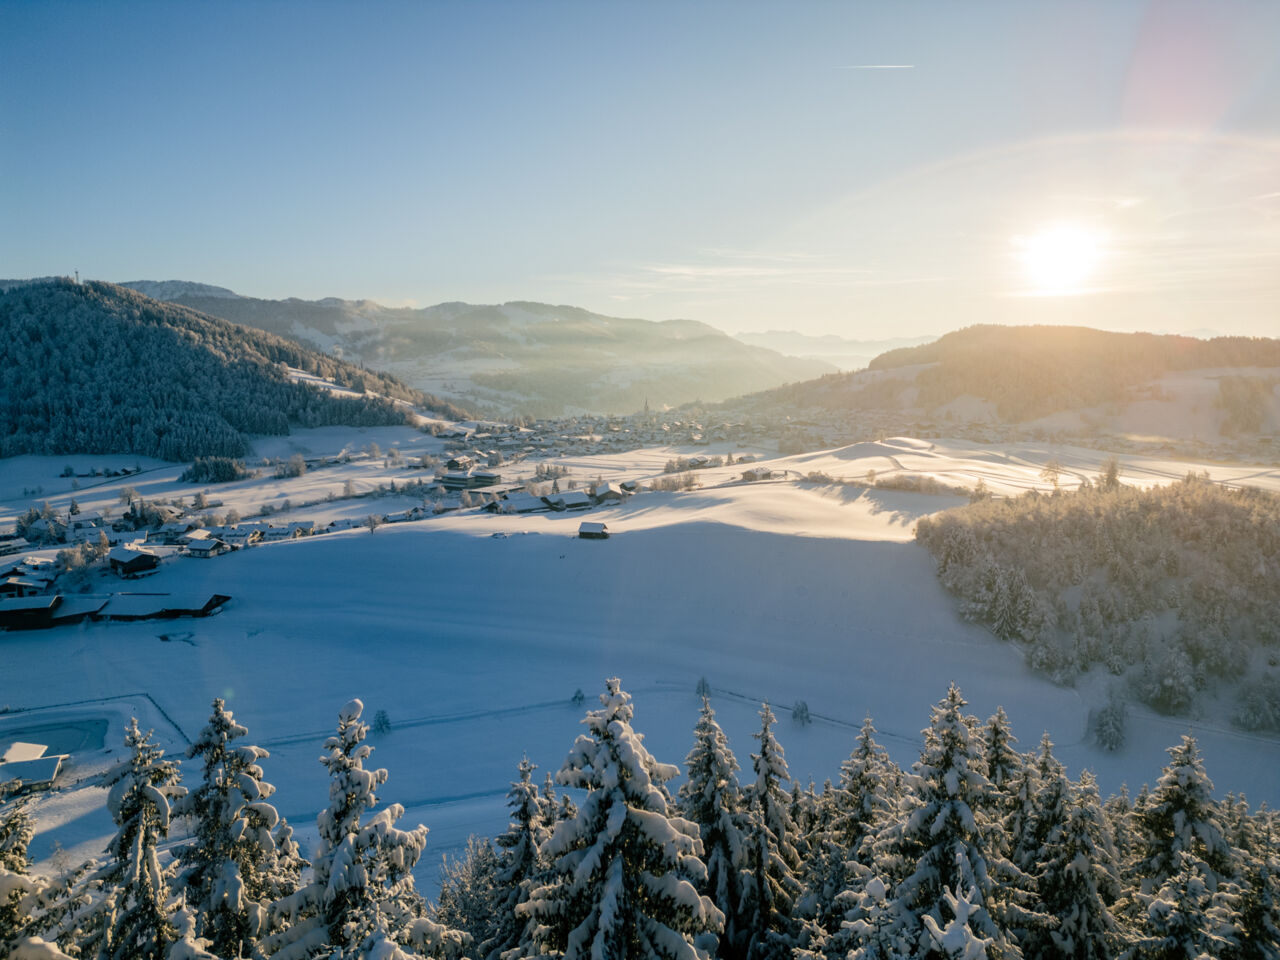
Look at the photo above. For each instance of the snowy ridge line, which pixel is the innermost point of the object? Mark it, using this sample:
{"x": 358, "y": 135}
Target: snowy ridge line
{"x": 424, "y": 722}
{"x": 122, "y": 696}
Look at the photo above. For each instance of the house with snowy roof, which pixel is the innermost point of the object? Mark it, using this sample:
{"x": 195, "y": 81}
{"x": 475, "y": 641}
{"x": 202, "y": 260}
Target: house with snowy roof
{"x": 238, "y": 539}
{"x": 16, "y": 545}
{"x": 21, "y": 586}
{"x": 84, "y": 521}
{"x": 172, "y": 532}
{"x": 131, "y": 561}
{"x": 569, "y": 500}
{"x": 519, "y": 501}
{"x": 29, "y": 765}
{"x": 413, "y": 513}
{"x": 207, "y": 547}
{"x": 608, "y": 493}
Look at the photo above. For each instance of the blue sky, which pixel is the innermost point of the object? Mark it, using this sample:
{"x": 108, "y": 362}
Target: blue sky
{"x": 732, "y": 163}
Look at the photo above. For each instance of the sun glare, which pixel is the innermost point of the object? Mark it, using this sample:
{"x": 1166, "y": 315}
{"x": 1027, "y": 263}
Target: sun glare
{"x": 1059, "y": 259}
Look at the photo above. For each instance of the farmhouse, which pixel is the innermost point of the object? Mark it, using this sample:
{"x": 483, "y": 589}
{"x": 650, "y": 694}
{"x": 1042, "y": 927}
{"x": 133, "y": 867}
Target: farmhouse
{"x": 85, "y": 521}
{"x": 461, "y": 463}
{"x": 16, "y": 545}
{"x": 172, "y": 532}
{"x": 207, "y": 547}
{"x": 413, "y": 513}
{"x": 34, "y": 613}
{"x": 520, "y": 502}
{"x": 590, "y": 530}
{"x": 21, "y": 586}
{"x": 29, "y": 765}
{"x": 757, "y": 473}
{"x": 608, "y": 493}
{"x": 25, "y": 613}
{"x": 125, "y": 537}
{"x": 570, "y": 500}
{"x": 131, "y": 561}
{"x": 238, "y": 539}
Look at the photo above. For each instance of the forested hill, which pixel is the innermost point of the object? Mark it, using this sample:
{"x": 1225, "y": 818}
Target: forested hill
{"x": 1036, "y": 370}
{"x": 518, "y": 357}
{"x": 1098, "y": 381}
{"x": 97, "y": 368}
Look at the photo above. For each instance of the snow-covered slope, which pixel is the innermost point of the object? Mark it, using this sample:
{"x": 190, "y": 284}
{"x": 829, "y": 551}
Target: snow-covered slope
{"x": 473, "y": 631}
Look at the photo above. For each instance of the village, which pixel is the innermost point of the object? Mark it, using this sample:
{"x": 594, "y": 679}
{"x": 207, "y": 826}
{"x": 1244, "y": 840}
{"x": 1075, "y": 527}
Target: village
{"x": 63, "y": 563}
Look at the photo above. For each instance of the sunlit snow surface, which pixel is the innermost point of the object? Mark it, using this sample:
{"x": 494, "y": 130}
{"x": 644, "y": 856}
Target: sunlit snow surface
{"x": 474, "y": 644}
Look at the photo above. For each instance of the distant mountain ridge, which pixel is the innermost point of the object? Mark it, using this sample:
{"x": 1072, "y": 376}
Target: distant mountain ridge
{"x": 97, "y": 368}
{"x": 843, "y": 352}
{"x": 174, "y": 289}
{"x": 520, "y": 357}
{"x": 1069, "y": 378}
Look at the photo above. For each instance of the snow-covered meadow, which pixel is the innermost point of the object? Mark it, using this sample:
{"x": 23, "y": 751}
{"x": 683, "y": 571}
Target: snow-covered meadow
{"x": 473, "y": 631}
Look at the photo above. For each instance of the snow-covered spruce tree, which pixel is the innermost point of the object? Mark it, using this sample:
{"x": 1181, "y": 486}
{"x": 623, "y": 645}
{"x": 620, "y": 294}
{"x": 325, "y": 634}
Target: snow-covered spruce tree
{"x": 361, "y": 901}
{"x": 555, "y": 808}
{"x": 944, "y": 845}
{"x": 18, "y": 889}
{"x": 1019, "y": 802}
{"x": 1003, "y": 761}
{"x": 1258, "y": 928}
{"x": 1180, "y": 816}
{"x": 865, "y": 794}
{"x": 1077, "y": 880}
{"x": 519, "y": 868}
{"x": 132, "y": 920}
{"x": 189, "y": 945}
{"x": 771, "y": 858}
{"x": 16, "y": 830}
{"x": 625, "y": 870}
{"x": 838, "y": 856}
{"x": 469, "y": 890}
{"x": 227, "y": 874}
{"x": 874, "y": 930}
{"x": 1048, "y": 808}
{"x": 1186, "y": 918}
{"x": 712, "y": 799}
{"x": 1119, "y": 810}
{"x": 60, "y": 908}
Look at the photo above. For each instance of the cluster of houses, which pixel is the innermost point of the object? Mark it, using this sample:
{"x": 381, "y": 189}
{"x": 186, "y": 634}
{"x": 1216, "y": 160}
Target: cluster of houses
{"x": 487, "y": 442}
{"x": 26, "y": 577}
{"x": 521, "y": 501}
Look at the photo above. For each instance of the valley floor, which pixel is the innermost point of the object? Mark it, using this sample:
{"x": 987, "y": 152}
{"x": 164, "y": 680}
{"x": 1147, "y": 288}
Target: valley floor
{"x": 473, "y": 632}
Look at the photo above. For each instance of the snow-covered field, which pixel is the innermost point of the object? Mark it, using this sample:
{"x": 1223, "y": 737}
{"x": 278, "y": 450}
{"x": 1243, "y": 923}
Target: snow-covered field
{"x": 473, "y": 632}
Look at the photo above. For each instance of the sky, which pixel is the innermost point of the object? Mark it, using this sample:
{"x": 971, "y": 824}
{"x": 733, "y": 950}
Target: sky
{"x": 870, "y": 170}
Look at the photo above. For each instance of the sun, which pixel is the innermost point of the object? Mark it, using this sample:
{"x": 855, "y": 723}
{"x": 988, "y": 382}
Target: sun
{"x": 1060, "y": 259}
